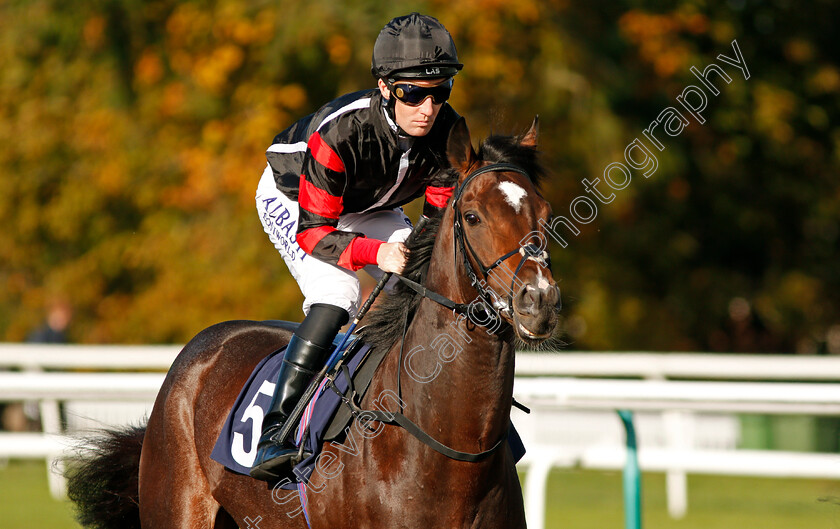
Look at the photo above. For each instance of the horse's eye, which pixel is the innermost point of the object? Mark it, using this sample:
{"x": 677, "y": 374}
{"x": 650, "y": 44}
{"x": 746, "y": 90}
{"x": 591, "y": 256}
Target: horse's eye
{"x": 472, "y": 219}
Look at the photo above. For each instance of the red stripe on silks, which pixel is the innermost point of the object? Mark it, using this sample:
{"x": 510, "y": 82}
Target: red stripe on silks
{"x": 318, "y": 201}
{"x": 307, "y": 239}
{"x": 438, "y": 196}
{"x": 323, "y": 154}
{"x": 359, "y": 253}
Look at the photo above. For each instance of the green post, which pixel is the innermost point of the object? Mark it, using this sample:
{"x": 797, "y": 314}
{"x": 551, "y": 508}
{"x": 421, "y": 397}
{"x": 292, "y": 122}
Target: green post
{"x": 632, "y": 476}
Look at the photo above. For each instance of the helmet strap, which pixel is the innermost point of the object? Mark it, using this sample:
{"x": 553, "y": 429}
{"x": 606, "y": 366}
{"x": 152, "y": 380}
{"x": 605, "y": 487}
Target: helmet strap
{"x": 388, "y": 105}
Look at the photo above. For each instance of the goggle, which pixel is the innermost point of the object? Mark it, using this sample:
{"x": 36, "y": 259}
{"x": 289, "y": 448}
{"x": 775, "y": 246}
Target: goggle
{"x": 413, "y": 95}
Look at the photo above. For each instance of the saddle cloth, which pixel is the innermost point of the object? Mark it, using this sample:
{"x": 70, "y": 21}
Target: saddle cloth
{"x": 236, "y": 447}
{"x": 323, "y": 419}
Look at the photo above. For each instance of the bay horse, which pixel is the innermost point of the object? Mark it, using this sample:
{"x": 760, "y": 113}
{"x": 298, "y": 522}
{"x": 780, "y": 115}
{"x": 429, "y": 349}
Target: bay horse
{"x": 453, "y": 375}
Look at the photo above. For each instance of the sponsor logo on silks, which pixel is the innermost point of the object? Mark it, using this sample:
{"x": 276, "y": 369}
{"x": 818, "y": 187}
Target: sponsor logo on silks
{"x": 284, "y": 232}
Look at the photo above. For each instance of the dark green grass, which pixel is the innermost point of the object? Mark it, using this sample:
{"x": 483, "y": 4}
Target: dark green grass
{"x": 593, "y": 500}
{"x": 576, "y": 500}
{"x": 25, "y": 500}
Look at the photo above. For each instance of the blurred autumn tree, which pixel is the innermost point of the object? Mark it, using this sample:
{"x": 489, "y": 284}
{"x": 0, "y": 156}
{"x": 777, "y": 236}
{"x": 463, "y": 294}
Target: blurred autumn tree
{"x": 132, "y": 136}
{"x": 733, "y": 243}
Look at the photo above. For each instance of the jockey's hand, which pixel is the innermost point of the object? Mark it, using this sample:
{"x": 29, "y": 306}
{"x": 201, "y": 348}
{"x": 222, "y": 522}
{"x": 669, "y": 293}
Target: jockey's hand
{"x": 391, "y": 257}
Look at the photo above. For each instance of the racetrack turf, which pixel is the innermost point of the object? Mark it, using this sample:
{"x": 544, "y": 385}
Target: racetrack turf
{"x": 576, "y": 500}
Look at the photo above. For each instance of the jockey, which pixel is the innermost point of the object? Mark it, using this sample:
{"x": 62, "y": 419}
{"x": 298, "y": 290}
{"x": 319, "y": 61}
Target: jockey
{"x": 329, "y": 198}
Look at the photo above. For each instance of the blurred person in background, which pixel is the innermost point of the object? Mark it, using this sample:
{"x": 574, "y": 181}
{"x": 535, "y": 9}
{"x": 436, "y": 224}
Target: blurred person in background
{"x": 329, "y": 198}
{"x": 26, "y": 416}
{"x": 54, "y": 329}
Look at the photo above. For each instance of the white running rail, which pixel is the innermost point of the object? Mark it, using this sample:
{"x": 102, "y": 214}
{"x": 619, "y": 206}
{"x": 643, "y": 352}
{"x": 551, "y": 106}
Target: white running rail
{"x": 712, "y": 387}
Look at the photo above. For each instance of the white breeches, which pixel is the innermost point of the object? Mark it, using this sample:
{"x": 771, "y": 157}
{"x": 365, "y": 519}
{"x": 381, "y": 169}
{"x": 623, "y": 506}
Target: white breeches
{"x": 321, "y": 282}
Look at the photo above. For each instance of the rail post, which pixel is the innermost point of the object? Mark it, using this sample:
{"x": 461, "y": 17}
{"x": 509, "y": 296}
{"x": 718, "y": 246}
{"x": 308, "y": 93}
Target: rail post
{"x": 632, "y": 476}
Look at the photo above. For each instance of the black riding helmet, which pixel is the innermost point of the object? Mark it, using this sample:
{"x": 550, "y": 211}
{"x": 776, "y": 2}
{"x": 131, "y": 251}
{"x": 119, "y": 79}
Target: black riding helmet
{"x": 414, "y": 46}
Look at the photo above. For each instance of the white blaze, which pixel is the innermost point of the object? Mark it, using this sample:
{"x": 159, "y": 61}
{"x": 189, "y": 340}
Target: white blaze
{"x": 513, "y": 194}
{"x": 542, "y": 283}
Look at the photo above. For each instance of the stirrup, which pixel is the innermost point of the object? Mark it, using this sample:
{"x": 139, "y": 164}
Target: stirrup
{"x": 277, "y": 464}
{"x": 272, "y": 462}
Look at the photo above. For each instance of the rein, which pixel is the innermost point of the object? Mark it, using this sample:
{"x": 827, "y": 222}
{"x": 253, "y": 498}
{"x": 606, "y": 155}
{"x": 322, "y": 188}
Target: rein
{"x": 529, "y": 251}
{"x": 398, "y": 419}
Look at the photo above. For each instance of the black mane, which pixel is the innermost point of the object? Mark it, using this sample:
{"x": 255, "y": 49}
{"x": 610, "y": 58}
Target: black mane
{"x": 384, "y": 324}
{"x": 507, "y": 149}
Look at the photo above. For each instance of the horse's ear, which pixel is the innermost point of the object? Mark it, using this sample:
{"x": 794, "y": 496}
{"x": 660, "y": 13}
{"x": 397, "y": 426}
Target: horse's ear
{"x": 459, "y": 147}
{"x": 530, "y": 137}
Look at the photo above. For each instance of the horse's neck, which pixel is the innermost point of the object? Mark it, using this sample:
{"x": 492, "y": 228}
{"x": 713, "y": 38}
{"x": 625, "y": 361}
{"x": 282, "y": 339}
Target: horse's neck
{"x": 461, "y": 375}
{"x": 454, "y": 372}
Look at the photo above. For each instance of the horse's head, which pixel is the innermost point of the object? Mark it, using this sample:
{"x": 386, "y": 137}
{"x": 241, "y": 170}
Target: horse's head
{"x": 498, "y": 235}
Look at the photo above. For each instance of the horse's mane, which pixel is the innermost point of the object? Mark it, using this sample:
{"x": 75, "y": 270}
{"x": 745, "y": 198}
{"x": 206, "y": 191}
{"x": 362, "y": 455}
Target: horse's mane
{"x": 498, "y": 148}
{"x": 385, "y": 323}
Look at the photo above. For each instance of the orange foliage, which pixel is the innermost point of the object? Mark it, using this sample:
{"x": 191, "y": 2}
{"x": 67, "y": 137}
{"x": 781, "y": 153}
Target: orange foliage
{"x": 132, "y": 137}
{"x": 658, "y": 37}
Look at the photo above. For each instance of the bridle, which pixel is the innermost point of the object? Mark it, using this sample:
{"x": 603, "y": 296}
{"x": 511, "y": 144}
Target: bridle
{"x": 528, "y": 252}
{"x": 490, "y": 299}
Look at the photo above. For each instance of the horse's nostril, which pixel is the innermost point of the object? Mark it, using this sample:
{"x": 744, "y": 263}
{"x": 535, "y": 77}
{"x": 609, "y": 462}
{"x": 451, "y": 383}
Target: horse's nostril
{"x": 530, "y": 299}
{"x": 533, "y": 300}
{"x": 528, "y": 296}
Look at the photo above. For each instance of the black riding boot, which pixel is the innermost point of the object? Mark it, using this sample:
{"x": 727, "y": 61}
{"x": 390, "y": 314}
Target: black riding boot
{"x": 305, "y": 355}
